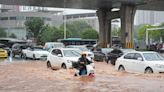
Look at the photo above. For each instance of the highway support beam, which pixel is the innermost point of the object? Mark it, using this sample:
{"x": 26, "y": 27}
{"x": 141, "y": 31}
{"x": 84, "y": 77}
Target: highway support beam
{"x": 104, "y": 27}
{"x": 127, "y": 13}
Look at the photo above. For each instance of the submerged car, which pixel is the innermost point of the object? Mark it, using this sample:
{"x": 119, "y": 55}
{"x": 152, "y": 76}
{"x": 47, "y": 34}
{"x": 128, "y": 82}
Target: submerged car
{"x": 3, "y": 53}
{"x": 35, "y": 53}
{"x": 63, "y": 57}
{"x": 17, "y": 49}
{"x": 82, "y": 48}
{"x": 141, "y": 62}
{"x": 116, "y": 53}
{"x": 106, "y": 51}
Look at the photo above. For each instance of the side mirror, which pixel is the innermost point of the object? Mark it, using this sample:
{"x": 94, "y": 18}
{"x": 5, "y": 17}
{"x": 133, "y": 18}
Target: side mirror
{"x": 59, "y": 55}
{"x": 140, "y": 59}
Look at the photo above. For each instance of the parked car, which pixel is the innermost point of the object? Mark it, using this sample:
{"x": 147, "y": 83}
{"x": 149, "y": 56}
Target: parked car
{"x": 82, "y": 48}
{"x": 63, "y": 57}
{"x": 17, "y": 49}
{"x": 3, "y": 53}
{"x": 106, "y": 51}
{"x": 116, "y": 53}
{"x": 3, "y": 46}
{"x": 98, "y": 54}
{"x": 142, "y": 62}
{"x": 35, "y": 53}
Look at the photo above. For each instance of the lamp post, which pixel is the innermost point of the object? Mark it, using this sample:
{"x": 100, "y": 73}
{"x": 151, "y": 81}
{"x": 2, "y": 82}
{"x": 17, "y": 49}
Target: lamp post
{"x": 65, "y": 35}
{"x": 65, "y": 27}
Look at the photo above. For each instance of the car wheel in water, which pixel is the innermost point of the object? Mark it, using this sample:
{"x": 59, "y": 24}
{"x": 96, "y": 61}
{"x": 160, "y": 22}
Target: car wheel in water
{"x": 64, "y": 66}
{"x": 48, "y": 64}
{"x": 24, "y": 56}
{"x": 121, "y": 68}
{"x": 112, "y": 62}
{"x": 34, "y": 58}
{"x": 148, "y": 71}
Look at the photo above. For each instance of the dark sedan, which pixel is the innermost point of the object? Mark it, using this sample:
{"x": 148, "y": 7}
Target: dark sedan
{"x": 114, "y": 54}
{"x": 99, "y": 56}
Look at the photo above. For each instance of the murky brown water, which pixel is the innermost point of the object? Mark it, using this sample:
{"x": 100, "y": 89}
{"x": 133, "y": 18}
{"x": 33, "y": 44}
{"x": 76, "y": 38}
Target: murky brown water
{"x": 33, "y": 76}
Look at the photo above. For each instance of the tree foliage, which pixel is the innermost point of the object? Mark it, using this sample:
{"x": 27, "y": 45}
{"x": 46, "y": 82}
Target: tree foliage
{"x": 154, "y": 34}
{"x": 116, "y": 31}
{"x": 34, "y": 26}
{"x": 51, "y": 34}
{"x": 89, "y": 34}
{"x": 76, "y": 28}
{"x": 46, "y": 34}
{"x": 162, "y": 31}
{"x": 2, "y": 33}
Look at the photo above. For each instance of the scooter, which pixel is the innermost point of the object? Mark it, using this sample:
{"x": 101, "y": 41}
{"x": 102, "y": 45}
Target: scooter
{"x": 90, "y": 70}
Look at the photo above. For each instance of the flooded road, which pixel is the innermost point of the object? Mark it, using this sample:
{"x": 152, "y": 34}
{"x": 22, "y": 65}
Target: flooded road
{"x": 33, "y": 76}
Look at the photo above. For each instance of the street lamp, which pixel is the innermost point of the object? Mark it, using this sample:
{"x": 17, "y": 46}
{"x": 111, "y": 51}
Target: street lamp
{"x": 65, "y": 27}
{"x": 65, "y": 35}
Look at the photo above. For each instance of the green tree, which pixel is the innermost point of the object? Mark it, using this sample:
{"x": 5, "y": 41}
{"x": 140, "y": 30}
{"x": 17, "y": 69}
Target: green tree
{"x": 162, "y": 31}
{"x": 13, "y": 36}
{"x": 76, "y": 27}
{"x": 59, "y": 34}
{"x": 34, "y": 26}
{"x": 89, "y": 34}
{"x": 2, "y": 33}
{"x": 154, "y": 34}
{"x": 51, "y": 34}
{"x": 116, "y": 31}
{"x": 47, "y": 34}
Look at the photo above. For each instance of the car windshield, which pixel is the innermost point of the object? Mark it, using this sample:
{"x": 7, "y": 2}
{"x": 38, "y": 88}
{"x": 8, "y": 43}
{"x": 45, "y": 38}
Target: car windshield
{"x": 127, "y": 50}
{"x": 79, "y": 47}
{"x": 153, "y": 56}
{"x": 83, "y": 48}
{"x": 38, "y": 49}
{"x": 71, "y": 53}
{"x": 106, "y": 50}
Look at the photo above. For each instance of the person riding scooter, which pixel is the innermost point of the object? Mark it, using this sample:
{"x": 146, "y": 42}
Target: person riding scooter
{"x": 83, "y": 61}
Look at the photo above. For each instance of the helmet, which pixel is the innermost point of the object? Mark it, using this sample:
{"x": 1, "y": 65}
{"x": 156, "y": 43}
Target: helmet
{"x": 83, "y": 53}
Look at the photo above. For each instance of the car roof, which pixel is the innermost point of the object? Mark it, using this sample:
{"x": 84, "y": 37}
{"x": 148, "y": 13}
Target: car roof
{"x": 53, "y": 43}
{"x": 142, "y": 52}
{"x": 75, "y": 46}
{"x": 66, "y": 48}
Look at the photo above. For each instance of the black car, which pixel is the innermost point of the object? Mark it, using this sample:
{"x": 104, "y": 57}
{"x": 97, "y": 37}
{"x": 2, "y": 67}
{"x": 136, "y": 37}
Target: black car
{"x": 106, "y": 51}
{"x": 17, "y": 49}
{"x": 98, "y": 54}
{"x": 116, "y": 53}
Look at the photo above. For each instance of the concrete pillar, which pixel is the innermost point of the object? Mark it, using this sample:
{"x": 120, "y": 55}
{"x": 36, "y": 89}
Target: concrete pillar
{"x": 104, "y": 27}
{"x": 127, "y": 13}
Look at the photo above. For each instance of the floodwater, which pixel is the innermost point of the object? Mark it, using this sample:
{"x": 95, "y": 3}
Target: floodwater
{"x": 33, "y": 76}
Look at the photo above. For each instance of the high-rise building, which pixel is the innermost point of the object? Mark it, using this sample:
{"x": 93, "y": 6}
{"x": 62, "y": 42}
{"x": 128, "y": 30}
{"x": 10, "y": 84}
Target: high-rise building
{"x": 148, "y": 17}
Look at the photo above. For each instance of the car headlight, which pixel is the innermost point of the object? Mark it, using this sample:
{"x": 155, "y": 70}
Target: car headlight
{"x": 159, "y": 65}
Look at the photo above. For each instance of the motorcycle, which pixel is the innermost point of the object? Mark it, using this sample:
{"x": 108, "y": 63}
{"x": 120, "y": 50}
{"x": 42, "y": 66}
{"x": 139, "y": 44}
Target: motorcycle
{"x": 89, "y": 69}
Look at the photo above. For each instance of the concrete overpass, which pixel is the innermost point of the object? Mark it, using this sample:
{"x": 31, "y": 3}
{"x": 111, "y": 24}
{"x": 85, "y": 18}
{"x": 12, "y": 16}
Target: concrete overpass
{"x": 104, "y": 13}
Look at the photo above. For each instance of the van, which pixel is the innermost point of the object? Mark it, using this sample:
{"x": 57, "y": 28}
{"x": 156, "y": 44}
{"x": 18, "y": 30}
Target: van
{"x": 49, "y": 45}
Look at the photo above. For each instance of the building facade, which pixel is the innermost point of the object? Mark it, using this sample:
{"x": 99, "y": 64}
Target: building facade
{"x": 148, "y": 17}
{"x": 13, "y": 18}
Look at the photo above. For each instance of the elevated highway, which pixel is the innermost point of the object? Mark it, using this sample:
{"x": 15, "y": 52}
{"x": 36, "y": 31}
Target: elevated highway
{"x": 104, "y": 13}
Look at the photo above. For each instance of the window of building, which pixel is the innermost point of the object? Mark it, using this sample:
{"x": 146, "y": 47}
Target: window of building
{"x": 19, "y": 18}
{"x": 47, "y": 19}
{"x": 12, "y": 18}
{"x": 4, "y": 18}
